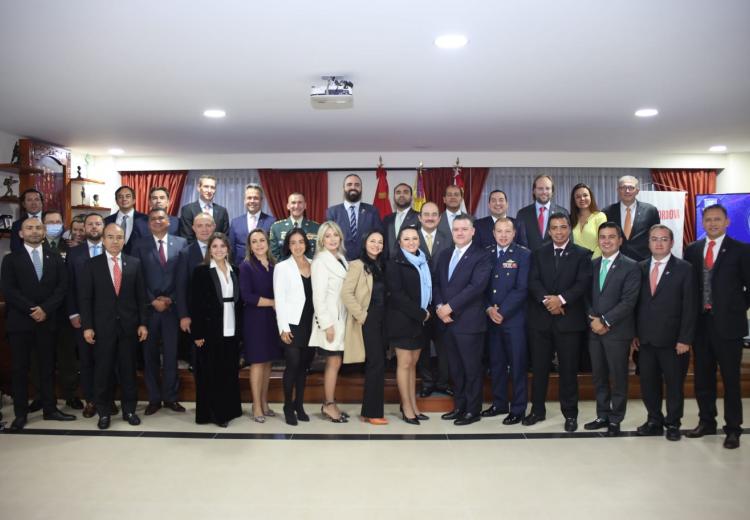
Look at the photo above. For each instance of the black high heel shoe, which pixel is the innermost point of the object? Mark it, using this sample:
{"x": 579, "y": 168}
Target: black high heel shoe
{"x": 289, "y": 416}
{"x": 301, "y": 415}
{"x": 409, "y": 420}
{"x": 422, "y": 417}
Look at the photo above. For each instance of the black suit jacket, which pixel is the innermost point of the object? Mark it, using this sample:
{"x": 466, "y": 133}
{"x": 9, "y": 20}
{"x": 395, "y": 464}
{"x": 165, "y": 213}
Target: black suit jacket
{"x": 140, "y": 228}
{"x": 75, "y": 262}
{"x": 615, "y": 302}
{"x": 730, "y": 284}
{"x": 389, "y": 225}
{"x": 527, "y": 226}
{"x": 103, "y": 310}
{"x": 188, "y": 213}
{"x": 646, "y": 215}
{"x": 668, "y": 316}
{"x": 439, "y": 244}
{"x": 571, "y": 280}
{"x": 207, "y": 305}
{"x": 189, "y": 258}
{"x": 485, "y": 227}
{"x": 404, "y": 312}
{"x": 23, "y": 290}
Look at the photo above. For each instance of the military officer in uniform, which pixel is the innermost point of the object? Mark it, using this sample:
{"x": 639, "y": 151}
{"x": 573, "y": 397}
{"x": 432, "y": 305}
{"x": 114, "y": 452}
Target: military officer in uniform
{"x": 296, "y": 205}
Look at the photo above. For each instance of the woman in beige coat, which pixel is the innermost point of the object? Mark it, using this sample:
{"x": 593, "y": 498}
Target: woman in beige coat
{"x": 363, "y": 294}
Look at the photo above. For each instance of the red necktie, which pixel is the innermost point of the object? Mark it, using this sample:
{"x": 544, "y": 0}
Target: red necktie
{"x": 710, "y": 255}
{"x": 162, "y": 256}
{"x": 118, "y": 275}
{"x": 540, "y": 220}
{"x": 654, "y": 277}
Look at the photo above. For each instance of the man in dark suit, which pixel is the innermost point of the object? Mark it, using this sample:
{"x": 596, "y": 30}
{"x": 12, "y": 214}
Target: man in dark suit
{"x": 532, "y": 221}
{"x": 158, "y": 198}
{"x": 189, "y": 258}
{"x": 507, "y": 294}
{"x": 32, "y": 205}
{"x": 452, "y": 198}
{"x": 204, "y": 204}
{"x": 634, "y": 217}
{"x": 458, "y": 286}
{"x": 254, "y": 218}
{"x": 33, "y": 280}
{"x": 665, "y": 327}
{"x": 296, "y": 205}
{"x": 485, "y": 226}
{"x": 556, "y": 317}
{"x": 112, "y": 300}
{"x": 432, "y": 242}
{"x": 611, "y": 303}
{"x": 403, "y": 216}
{"x": 158, "y": 255}
{"x": 133, "y": 222}
{"x": 355, "y": 218}
{"x": 53, "y": 232}
{"x": 76, "y": 261}
{"x": 721, "y": 266}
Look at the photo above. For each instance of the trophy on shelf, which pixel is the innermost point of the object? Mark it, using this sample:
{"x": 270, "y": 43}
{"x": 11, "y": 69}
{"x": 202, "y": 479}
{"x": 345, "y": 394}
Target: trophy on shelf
{"x": 78, "y": 176}
{"x": 95, "y": 198}
{"x": 83, "y": 195}
{"x": 6, "y": 222}
{"x": 8, "y": 183}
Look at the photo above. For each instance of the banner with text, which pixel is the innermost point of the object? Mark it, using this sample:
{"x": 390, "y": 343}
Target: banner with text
{"x": 671, "y": 206}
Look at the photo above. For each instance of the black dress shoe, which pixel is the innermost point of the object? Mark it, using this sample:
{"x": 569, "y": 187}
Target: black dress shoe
{"x": 512, "y": 419}
{"x": 89, "y": 410}
{"x": 410, "y": 420}
{"x": 613, "y": 430}
{"x": 596, "y": 424}
{"x": 152, "y": 408}
{"x": 18, "y": 424}
{"x": 648, "y": 429}
{"x": 732, "y": 441}
{"x": 57, "y": 415}
{"x": 452, "y": 415}
{"x": 426, "y": 391}
{"x": 701, "y": 430}
{"x": 114, "y": 409}
{"x": 422, "y": 417}
{"x": 467, "y": 418}
{"x": 103, "y": 423}
{"x": 532, "y": 419}
{"x": 493, "y": 411}
{"x": 74, "y": 404}
{"x": 132, "y": 418}
{"x": 571, "y": 424}
{"x": 447, "y": 391}
{"x": 35, "y": 406}
{"x": 673, "y": 433}
{"x": 174, "y": 406}
{"x": 222, "y": 424}
{"x": 301, "y": 415}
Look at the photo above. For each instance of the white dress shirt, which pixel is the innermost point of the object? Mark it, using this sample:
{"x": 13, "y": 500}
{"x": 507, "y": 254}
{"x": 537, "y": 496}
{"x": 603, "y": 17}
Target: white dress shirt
{"x": 227, "y": 291}
{"x": 662, "y": 266}
{"x": 111, "y": 266}
{"x": 624, "y": 212}
{"x": 129, "y": 227}
{"x": 717, "y": 246}
{"x": 164, "y": 244}
{"x": 250, "y": 225}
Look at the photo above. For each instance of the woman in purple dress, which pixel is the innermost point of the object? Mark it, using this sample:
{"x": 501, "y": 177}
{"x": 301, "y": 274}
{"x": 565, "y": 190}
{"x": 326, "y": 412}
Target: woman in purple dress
{"x": 261, "y": 339}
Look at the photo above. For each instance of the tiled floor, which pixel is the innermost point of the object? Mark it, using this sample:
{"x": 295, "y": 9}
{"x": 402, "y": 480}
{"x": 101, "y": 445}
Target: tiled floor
{"x": 444, "y": 471}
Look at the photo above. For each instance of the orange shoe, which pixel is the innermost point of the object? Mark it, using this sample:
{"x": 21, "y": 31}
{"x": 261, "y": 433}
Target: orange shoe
{"x": 377, "y": 421}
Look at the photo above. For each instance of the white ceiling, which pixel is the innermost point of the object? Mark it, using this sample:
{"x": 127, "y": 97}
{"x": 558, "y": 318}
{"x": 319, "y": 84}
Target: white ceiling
{"x": 544, "y": 75}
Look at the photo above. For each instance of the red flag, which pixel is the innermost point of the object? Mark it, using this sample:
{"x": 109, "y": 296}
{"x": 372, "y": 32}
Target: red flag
{"x": 382, "y": 200}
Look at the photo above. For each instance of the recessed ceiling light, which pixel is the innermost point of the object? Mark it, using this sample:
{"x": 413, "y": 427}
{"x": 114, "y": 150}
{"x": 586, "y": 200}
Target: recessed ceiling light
{"x": 718, "y": 148}
{"x": 646, "y": 112}
{"x": 116, "y": 151}
{"x": 214, "y": 113}
{"x": 451, "y": 41}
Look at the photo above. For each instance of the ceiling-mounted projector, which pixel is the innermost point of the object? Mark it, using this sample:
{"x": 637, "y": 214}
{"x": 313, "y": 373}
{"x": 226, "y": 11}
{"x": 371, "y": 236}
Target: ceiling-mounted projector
{"x": 336, "y": 93}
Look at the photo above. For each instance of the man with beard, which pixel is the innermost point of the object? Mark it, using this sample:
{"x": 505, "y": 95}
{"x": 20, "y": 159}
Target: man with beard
{"x": 452, "y": 198}
{"x": 533, "y": 220}
{"x": 355, "y": 218}
{"x": 404, "y": 216}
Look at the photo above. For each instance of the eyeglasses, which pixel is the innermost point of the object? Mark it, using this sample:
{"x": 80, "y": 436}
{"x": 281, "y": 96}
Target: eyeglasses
{"x": 627, "y": 188}
{"x": 663, "y": 240}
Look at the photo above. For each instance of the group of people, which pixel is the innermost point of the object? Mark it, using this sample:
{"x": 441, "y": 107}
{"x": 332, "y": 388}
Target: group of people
{"x": 509, "y": 293}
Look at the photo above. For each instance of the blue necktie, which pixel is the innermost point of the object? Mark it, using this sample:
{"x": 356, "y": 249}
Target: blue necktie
{"x": 37, "y": 261}
{"x": 454, "y": 260}
{"x": 95, "y": 250}
{"x": 352, "y": 222}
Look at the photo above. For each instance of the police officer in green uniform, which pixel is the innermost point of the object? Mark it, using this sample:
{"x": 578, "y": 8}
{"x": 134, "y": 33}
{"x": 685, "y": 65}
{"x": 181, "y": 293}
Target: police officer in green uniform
{"x": 296, "y": 205}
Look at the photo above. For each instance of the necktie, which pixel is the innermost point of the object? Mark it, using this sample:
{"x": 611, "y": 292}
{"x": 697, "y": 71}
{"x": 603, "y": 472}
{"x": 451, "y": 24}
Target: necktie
{"x": 207, "y": 208}
{"x": 628, "y": 227}
{"x": 296, "y": 224}
{"x": 203, "y": 251}
{"x": 352, "y": 222}
{"x": 454, "y": 260}
{"x": 428, "y": 239}
{"x": 162, "y": 256}
{"x": 37, "y": 261}
{"x": 399, "y": 220}
{"x": 53, "y": 245}
{"x": 500, "y": 253}
{"x": 540, "y": 220}
{"x": 603, "y": 272}
{"x": 253, "y": 222}
{"x": 96, "y": 250}
{"x": 124, "y": 226}
{"x": 117, "y": 275}
{"x": 558, "y": 255}
{"x": 710, "y": 255}
{"x": 654, "y": 277}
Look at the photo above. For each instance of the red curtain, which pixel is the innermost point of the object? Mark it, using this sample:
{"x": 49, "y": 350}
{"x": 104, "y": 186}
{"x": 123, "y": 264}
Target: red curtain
{"x": 437, "y": 179}
{"x": 142, "y": 182}
{"x": 691, "y": 181}
{"x": 278, "y": 184}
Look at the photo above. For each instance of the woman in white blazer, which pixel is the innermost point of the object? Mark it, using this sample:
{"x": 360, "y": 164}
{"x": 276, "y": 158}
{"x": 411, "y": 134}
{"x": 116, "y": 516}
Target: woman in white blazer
{"x": 292, "y": 288}
{"x": 328, "y": 272}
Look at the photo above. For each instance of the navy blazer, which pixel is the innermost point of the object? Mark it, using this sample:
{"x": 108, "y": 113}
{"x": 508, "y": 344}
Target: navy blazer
{"x": 367, "y": 220}
{"x": 464, "y": 292}
{"x": 140, "y": 228}
{"x": 188, "y": 259}
{"x": 160, "y": 281}
{"x": 615, "y": 302}
{"x": 188, "y": 213}
{"x": 439, "y": 244}
{"x": 646, "y": 215}
{"x": 389, "y": 230}
{"x": 508, "y": 287}
{"x": 527, "y": 226}
{"x": 484, "y": 231}
{"x": 238, "y": 234}
{"x": 75, "y": 261}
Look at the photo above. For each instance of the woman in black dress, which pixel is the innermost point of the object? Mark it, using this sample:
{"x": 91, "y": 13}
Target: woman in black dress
{"x": 292, "y": 288}
{"x": 215, "y": 329}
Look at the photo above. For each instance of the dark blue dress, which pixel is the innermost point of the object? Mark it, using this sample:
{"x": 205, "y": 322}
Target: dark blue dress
{"x": 260, "y": 332}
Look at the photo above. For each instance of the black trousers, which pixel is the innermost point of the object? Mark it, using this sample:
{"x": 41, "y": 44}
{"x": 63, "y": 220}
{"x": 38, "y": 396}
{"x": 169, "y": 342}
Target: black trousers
{"x": 110, "y": 351}
{"x": 433, "y": 376}
{"x": 85, "y": 365}
{"x": 543, "y": 344}
{"x": 609, "y": 371}
{"x": 297, "y": 359}
{"x": 374, "y": 338}
{"x": 465, "y": 361}
{"x": 41, "y": 341}
{"x": 710, "y": 351}
{"x": 663, "y": 365}
{"x": 507, "y": 350}
{"x": 65, "y": 361}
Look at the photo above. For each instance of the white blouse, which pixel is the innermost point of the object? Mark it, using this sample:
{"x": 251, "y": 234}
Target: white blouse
{"x": 227, "y": 291}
